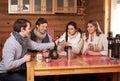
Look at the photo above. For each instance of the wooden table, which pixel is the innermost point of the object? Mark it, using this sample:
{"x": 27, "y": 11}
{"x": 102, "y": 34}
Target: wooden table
{"x": 77, "y": 65}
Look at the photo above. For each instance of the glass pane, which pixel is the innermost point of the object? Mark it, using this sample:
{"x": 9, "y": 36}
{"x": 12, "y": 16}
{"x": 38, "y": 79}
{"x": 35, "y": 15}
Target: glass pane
{"x": 60, "y": 4}
{"x": 37, "y": 5}
{"x": 71, "y": 3}
{"x": 14, "y": 2}
{"x": 49, "y": 5}
{"x": 25, "y": 1}
{"x": 26, "y": 5}
{"x": 14, "y": 5}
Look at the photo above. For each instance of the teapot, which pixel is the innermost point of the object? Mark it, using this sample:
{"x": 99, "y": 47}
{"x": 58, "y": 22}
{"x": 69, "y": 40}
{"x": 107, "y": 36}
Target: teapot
{"x": 54, "y": 54}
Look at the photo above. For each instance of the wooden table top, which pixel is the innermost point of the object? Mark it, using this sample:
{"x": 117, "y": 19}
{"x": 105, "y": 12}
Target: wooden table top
{"x": 78, "y": 65}
{"x": 76, "y": 62}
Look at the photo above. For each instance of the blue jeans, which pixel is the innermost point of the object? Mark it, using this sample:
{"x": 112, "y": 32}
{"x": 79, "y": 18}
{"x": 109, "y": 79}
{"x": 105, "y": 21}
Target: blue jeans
{"x": 21, "y": 76}
{"x": 13, "y": 76}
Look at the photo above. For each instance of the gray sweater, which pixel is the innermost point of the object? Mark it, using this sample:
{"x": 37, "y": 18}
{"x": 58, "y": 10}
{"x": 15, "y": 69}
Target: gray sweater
{"x": 12, "y": 59}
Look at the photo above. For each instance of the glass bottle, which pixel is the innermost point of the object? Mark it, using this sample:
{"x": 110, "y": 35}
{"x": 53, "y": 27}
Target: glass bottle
{"x": 53, "y": 53}
{"x": 110, "y": 44}
{"x": 116, "y": 46}
{"x": 69, "y": 52}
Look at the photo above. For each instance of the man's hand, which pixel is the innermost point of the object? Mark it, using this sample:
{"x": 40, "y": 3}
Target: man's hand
{"x": 27, "y": 58}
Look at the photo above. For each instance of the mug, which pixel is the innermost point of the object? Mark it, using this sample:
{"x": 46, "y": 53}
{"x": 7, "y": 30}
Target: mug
{"x": 39, "y": 57}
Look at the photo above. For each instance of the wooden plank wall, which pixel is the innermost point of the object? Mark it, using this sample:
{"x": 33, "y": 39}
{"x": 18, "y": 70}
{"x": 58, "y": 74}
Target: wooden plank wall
{"x": 57, "y": 22}
{"x": 95, "y": 11}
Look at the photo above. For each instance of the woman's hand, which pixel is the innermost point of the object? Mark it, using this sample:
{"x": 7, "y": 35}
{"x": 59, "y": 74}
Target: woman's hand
{"x": 91, "y": 47}
{"x": 64, "y": 44}
{"x": 89, "y": 52}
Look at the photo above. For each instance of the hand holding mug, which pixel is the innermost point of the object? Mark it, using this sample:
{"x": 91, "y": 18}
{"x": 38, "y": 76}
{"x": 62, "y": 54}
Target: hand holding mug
{"x": 90, "y": 46}
{"x": 27, "y": 58}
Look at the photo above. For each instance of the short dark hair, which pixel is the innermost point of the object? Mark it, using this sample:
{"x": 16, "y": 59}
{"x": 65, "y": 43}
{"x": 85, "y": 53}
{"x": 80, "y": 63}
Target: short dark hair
{"x": 41, "y": 21}
{"x": 19, "y": 23}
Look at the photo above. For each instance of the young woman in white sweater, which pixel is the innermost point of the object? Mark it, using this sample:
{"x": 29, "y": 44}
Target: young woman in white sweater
{"x": 71, "y": 37}
{"x": 95, "y": 42}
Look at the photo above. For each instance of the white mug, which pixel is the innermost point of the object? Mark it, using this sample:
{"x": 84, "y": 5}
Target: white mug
{"x": 39, "y": 57}
{"x": 60, "y": 41}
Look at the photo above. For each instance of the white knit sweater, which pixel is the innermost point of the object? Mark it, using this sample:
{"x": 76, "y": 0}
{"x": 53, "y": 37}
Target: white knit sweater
{"x": 75, "y": 41}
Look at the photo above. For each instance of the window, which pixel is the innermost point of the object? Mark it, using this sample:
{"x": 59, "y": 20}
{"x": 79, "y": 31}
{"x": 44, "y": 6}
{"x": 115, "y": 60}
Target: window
{"x": 115, "y": 19}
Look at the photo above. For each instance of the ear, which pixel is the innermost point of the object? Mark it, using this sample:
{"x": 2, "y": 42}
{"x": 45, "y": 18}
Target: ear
{"x": 22, "y": 30}
{"x": 37, "y": 26}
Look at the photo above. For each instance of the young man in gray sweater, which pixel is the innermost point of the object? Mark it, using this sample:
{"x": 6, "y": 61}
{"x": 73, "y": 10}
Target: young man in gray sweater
{"x": 15, "y": 51}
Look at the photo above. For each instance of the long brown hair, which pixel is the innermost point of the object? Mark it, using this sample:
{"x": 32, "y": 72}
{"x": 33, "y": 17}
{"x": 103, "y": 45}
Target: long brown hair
{"x": 74, "y": 25}
{"x": 98, "y": 29}
{"x": 66, "y": 31}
